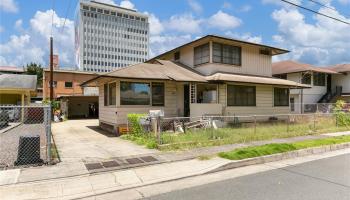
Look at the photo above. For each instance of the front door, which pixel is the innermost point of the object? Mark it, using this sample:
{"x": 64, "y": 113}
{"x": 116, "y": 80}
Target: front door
{"x": 292, "y": 104}
{"x": 186, "y": 100}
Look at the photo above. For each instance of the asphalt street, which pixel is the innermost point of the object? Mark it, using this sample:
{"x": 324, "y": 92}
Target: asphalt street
{"x": 325, "y": 179}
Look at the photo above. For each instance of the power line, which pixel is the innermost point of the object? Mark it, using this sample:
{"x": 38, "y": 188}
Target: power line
{"x": 324, "y": 5}
{"x": 308, "y": 9}
{"x": 65, "y": 18}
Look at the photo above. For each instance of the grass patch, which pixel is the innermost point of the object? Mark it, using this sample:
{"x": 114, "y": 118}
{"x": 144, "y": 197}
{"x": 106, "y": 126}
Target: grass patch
{"x": 205, "y": 157}
{"x": 54, "y": 152}
{"x": 268, "y": 149}
{"x": 247, "y": 133}
{"x": 149, "y": 142}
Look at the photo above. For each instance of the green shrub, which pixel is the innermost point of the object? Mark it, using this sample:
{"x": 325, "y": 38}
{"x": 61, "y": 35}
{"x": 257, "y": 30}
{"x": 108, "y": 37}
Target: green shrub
{"x": 341, "y": 112}
{"x": 134, "y": 124}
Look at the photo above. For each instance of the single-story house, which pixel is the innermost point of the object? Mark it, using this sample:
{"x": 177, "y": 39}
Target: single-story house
{"x": 16, "y": 89}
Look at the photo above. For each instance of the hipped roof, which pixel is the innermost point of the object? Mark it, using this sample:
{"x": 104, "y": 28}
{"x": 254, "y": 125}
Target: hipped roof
{"x": 169, "y": 70}
{"x": 254, "y": 79}
{"x": 341, "y": 68}
{"x": 289, "y": 66}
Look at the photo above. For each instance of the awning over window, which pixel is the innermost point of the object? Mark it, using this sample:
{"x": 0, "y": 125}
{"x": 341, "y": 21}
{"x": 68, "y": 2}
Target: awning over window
{"x": 254, "y": 79}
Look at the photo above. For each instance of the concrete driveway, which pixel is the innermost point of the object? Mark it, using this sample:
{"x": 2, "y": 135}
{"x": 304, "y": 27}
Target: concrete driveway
{"x": 83, "y": 140}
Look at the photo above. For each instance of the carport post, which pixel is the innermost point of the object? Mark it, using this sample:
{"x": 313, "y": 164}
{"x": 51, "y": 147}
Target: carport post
{"x": 22, "y": 109}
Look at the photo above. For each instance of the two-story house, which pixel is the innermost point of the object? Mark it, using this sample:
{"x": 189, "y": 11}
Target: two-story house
{"x": 212, "y": 75}
{"x": 319, "y": 79}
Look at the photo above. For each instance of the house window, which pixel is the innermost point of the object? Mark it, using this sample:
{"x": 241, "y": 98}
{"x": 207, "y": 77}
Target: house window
{"x": 157, "y": 94}
{"x": 54, "y": 85}
{"x": 105, "y": 94}
{"x": 109, "y": 91}
{"x": 206, "y": 93}
{"x": 306, "y": 78}
{"x": 201, "y": 54}
{"x": 134, "y": 93}
{"x": 177, "y": 56}
{"x": 319, "y": 79}
{"x": 226, "y": 54}
{"x": 292, "y": 104}
{"x": 281, "y": 96}
{"x": 68, "y": 84}
{"x": 239, "y": 95}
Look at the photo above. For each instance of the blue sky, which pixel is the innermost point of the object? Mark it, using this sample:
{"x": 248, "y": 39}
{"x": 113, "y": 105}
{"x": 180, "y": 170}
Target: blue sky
{"x": 25, "y": 27}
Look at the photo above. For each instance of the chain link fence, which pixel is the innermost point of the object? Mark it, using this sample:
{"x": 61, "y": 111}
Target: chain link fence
{"x": 25, "y": 136}
{"x": 316, "y": 107}
{"x": 184, "y": 132}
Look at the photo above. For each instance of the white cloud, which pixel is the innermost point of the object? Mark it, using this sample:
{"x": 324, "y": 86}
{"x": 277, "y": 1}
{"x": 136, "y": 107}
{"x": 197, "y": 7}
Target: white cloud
{"x": 156, "y": 27}
{"x": 185, "y": 23}
{"x": 245, "y": 8}
{"x": 18, "y": 25}
{"x": 246, "y": 37}
{"x": 19, "y": 50}
{"x": 162, "y": 43}
{"x": 33, "y": 44}
{"x": 224, "y": 21}
{"x": 127, "y": 4}
{"x": 2, "y": 29}
{"x": 195, "y": 6}
{"x": 322, "y": 43}
{"x": 9, "y": 6}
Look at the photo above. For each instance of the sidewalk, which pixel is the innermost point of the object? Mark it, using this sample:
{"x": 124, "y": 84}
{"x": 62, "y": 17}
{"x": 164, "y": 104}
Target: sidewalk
{"x": 69, "y": 180}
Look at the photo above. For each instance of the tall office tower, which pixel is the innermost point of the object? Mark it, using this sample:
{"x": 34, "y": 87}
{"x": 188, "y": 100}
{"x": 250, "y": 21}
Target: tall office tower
{"x": 109, "y": 37}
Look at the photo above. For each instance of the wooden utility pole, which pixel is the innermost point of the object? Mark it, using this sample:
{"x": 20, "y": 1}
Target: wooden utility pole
{"x": 51, "y": 69}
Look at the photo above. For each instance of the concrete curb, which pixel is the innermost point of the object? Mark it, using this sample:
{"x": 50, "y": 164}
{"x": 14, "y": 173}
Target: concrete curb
{"x": 232, "y": 165}
{"x": 280, "y": 156}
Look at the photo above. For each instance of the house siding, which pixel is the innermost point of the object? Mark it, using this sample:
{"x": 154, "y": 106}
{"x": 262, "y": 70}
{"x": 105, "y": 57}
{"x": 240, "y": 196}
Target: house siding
{"x": 253, "y": 63}
{"x": 310, "y": 95}
{"x": 117, "y": 115}
{"x": 264, "y": 103}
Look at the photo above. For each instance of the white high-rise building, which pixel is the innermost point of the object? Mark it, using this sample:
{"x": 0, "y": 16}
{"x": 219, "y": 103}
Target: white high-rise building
{"x": 109, "y": 37}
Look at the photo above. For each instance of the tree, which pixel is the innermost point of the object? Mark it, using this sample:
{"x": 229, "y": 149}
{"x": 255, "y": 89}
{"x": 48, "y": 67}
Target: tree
{"x": 35, "y": 69}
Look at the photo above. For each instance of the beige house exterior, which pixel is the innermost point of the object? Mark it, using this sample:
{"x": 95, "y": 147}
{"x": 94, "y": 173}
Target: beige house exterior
{"x": 319, "y": 79}
{"x": 16, "y": 89}
{"x": 342, "y": 79}
{"x": 209, "y": 76}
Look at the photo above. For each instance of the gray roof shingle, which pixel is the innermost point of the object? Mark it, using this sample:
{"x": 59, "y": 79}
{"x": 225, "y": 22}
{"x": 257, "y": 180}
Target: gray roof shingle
{"x": 18, "y": 81}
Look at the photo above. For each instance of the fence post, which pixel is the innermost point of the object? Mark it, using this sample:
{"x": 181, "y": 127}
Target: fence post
{"x": 211, "y": 127}
{"x": 254, "y": 124}
{"x": 336, "y": 120}
{"x": 159, "y": 130}
{"x": 288, "y": 121}
{"x": 314, "y": 121}
{"x": 48, "y": 131}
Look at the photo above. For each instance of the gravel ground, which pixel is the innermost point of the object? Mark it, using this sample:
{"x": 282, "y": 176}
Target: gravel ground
{"x": 9, "y": 141}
